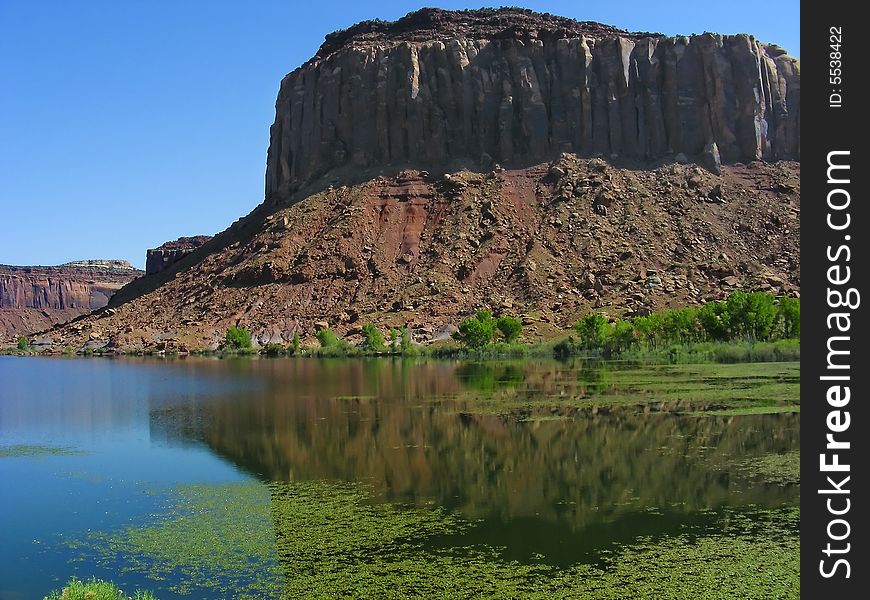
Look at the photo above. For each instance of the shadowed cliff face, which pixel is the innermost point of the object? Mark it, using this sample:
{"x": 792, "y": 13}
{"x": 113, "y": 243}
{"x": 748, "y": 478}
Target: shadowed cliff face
{"x": 520, "y": 90}
{"x": 157, "y": 259}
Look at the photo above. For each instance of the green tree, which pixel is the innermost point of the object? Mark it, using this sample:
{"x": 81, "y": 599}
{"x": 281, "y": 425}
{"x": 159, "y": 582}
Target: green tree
{"x": 751, "y": 315}
{"x": 23, "y": 344}
{"x": 680, "y": 325}
{"x": 477, "y": 331}
{"x": 713, "y": 317}
{"x": 394, "y": 339}
{"x": 594, "y": 330}
{"x": 737, "y": 309}
{"x": 327, "y": 338}
{"x": 643, "y": 330}
{"x": 622, "y": 336}
{"x": 510, "y": 328}
{"x": 790, "y": 312}
{"x": 406, "y": 342}
{"x": 763, "y": 315}
{"x": 238, "y": 338}
{"x": 373, "y": 341}
{"x": 297, "y": 345}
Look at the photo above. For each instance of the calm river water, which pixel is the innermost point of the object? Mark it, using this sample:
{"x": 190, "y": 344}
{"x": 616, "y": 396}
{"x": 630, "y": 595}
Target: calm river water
{"x": 205, "y": 478}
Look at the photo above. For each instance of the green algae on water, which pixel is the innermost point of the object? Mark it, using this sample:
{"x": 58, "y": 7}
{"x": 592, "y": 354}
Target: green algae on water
{"x": 780, "y": 469}
{"x": 216, "y": 537}
{"x": 325, "y": 539}
{"x": 35, "y": 451}
{"x": 757, "y": 388}
{"x": 748, "y": 410}
{"x": 247, "y": 538}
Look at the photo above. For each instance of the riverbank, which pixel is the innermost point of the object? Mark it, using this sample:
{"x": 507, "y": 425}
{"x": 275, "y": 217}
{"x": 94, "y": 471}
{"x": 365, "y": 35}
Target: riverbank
{"x": 746, "y": 327}
{"x": 702, "y": 352}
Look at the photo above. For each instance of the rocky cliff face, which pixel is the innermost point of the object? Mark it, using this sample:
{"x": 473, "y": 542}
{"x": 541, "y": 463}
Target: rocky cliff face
{"x": 159, "y": 258}
{"x": 517, "y": 87}
{"x": 34, "y": 298}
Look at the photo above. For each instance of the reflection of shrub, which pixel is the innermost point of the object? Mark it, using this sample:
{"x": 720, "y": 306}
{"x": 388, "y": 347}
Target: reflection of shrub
{"x": 594, "y": 377}
{"x": 238, "y": 338}
{"x": 488, "y": 377}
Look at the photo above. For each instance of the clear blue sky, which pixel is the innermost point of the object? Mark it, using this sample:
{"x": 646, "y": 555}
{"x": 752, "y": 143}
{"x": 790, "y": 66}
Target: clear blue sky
{"x": 124, "y": 124}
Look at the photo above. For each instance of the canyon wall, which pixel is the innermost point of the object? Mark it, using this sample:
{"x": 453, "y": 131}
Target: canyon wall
{"x": 35, "y": 297}
{"x": 517, "y": 87}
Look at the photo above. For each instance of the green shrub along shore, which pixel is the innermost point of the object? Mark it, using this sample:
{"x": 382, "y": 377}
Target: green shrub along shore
{"x": 747, "y": 327}
{"x": 753, "y": 326}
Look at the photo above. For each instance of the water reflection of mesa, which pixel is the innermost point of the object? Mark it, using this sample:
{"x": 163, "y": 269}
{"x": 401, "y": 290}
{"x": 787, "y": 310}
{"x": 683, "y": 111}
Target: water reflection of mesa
{"x": 413, "y": 438}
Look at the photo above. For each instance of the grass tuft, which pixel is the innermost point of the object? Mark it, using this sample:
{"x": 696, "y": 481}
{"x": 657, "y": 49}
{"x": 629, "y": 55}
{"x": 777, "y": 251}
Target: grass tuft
{"x": 96, "y": 589}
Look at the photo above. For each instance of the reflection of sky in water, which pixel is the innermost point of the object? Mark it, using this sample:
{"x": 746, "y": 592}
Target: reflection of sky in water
{"x": 101, "y": 407}
{"x": 84, "y": 401}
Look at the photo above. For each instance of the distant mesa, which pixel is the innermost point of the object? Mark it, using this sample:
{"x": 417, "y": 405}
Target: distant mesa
{"x": 120, "y": 265}
{"x": 169, "y": 253}
{"x": 34, "y": 298}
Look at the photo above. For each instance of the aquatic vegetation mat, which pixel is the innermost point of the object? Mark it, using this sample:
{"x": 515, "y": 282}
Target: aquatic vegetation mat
{"x": 757, "y": 388}
{"x": 323, "y": 539}
{"x": 747, "y": 410}
{"x": 781, "y": 469}
{"x": 34, "y": 451}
